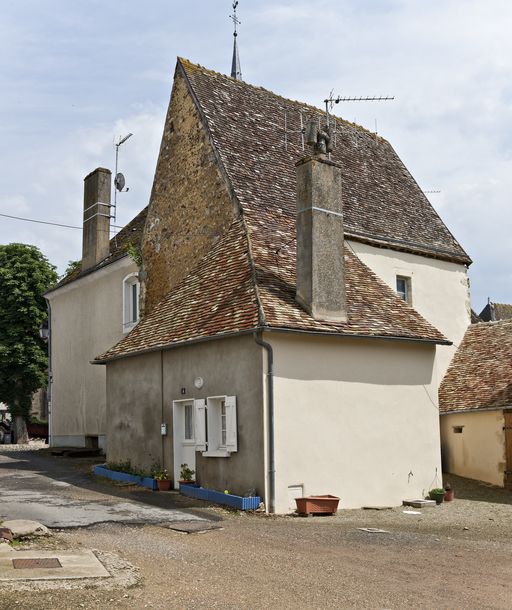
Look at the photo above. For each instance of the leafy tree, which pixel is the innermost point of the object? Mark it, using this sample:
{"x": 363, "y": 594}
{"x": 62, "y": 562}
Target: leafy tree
{"x": 25, "y": 274}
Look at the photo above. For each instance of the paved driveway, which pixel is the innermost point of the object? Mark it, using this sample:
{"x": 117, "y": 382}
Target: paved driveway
{"x": 60, "y": 493}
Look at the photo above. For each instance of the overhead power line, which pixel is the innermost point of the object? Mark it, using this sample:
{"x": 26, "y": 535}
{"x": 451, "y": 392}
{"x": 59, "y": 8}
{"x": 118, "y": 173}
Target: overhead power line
{"x": 46, "y": 222}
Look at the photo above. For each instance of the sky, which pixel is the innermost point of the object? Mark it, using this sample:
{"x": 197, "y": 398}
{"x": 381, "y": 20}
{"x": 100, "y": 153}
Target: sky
{"x": 76, "y": 76}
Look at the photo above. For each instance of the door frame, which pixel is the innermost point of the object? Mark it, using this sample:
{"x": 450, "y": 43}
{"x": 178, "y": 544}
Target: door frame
{"x": 178, "y": 440}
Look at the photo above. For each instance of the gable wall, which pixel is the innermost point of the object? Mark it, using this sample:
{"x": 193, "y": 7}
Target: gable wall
{"x": 190, "y": 207}
{"x": 87, "y": 319}
{"x": 440, "y": 291}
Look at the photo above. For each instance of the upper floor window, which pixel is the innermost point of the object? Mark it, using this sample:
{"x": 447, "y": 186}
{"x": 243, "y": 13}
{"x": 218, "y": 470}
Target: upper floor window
{"x": 130, "y": 301}
{"x": 403, "y": 288}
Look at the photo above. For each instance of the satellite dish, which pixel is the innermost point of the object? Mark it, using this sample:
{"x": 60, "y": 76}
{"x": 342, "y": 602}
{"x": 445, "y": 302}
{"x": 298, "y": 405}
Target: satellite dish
{"x": 119, "y": 181}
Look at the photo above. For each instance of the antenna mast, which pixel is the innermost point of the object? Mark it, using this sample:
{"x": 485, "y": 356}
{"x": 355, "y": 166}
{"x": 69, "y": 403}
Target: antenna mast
{"x": 236, "y": 71}
{"x": 119, "y": 180}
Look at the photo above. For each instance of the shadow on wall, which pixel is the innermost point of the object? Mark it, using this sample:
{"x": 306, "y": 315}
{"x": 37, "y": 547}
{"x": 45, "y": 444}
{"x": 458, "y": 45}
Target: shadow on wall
{"x": 366, "y": 361}
{"x": 478, "y": 491}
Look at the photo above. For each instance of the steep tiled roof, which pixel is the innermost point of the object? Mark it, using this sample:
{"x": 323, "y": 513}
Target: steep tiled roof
{"x": 247, "y": 281}
{"x": 480, "y": 375}
{"x": 496, "y": 311}
{"x": 220, "y": 298}
{"x": 382, "y": 202}
{"x": 129, "y": 234}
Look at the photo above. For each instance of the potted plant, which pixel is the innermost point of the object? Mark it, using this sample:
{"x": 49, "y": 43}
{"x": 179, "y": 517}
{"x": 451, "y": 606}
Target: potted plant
{"x": 186, "y": 475}
{"x": 448, "y": 493}
{"x": 162, "y": 479}
{"x": 437, "y": 494}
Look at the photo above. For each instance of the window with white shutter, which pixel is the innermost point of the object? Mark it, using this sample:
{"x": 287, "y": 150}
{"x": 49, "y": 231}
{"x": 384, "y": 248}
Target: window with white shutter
{"x": 222, "y": 439}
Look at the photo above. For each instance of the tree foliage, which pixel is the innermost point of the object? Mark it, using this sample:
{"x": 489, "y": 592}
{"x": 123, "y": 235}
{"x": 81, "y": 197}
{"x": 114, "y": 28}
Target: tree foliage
{"x": 25, "y": 275}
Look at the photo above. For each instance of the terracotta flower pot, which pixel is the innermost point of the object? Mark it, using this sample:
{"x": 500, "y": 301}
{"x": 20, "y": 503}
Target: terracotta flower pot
{"x": 319, "y": 505}
{"x": 164, "y": 484}
{"x": 448, "y": 495}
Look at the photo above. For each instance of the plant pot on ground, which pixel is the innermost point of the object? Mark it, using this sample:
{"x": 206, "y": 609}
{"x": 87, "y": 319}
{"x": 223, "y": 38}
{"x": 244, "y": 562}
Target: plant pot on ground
{"x": 162, "y": 479}
{"x": 186, "y": 475}
{"x": 448, "y": 493}
{"x": 437, "y": 494}
{"x": 317, "y": 505}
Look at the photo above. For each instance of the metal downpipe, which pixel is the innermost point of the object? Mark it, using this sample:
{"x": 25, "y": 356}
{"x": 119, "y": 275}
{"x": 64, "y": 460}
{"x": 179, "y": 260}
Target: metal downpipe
{"x": 270, "y": 415}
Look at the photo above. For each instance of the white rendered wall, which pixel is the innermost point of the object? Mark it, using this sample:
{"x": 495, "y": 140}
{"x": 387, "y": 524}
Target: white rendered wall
{"x": 440, "y": 291}
{"x": 355, "y": 418}
{"x": 87, "y": 319}
{"x": 479, "y": 451}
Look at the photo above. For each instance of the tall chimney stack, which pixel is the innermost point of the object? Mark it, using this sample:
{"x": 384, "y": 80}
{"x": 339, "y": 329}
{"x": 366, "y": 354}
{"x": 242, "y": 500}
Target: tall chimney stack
{"x": 96, "y": 228}
{"x": 320, "y": 237}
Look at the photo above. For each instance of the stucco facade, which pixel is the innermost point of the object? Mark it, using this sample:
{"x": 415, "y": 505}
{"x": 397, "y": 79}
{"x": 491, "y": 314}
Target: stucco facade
{"x": 354, "y": 418}
{"x": 439, "y": 291}
{"x": 473, "y": 445}
{"x": 142, "y": 390}
{"x": 86, "y": 318}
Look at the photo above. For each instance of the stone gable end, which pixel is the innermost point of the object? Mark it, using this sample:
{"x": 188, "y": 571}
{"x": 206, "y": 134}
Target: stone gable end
{"x": 190, "y": 206}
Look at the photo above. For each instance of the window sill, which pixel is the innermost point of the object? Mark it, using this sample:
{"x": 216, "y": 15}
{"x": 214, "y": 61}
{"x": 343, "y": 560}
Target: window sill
{"x": 128, "y": 327}
{"x": 216, "y": 453}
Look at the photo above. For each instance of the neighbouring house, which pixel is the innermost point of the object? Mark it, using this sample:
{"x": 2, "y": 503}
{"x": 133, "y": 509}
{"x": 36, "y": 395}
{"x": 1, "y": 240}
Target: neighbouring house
{"x": 299, "y": 308}
{"x": 91, "y": 308}
{"x": 475, "y": 318}
{"x": 493, "y": 312}
{"x": 475, "y": 400}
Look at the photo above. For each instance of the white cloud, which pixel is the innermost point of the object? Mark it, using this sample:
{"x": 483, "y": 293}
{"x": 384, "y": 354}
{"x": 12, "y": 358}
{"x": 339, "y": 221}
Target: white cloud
{"x": 72, "y": 82}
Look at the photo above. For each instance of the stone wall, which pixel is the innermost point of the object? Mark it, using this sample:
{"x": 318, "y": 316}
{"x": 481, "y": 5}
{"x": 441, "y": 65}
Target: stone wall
{"x": 190, "y": 206}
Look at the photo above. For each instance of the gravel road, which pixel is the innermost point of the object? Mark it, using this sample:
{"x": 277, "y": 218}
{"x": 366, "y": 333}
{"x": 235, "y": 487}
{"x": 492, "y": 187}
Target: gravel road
{"x": 458, "y": 555}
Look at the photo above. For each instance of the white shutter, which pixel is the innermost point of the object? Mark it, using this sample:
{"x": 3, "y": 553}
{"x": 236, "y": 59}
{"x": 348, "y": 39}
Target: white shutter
{"x": 200, "y": 424}
{"x": 231, "y": 432}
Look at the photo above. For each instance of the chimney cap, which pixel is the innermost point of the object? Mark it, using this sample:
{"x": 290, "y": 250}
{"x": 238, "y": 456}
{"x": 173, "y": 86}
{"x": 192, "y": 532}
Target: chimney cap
{"x": 98, "y": 169}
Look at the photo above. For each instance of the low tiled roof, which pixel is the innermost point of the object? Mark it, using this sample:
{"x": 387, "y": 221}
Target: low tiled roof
{"x": 493, "y": 312}
{"x": 221, "y": 297}
{"x": 480, "y": 375}
{"x": 382, "y": 203}
{"x": 129, "y": 234}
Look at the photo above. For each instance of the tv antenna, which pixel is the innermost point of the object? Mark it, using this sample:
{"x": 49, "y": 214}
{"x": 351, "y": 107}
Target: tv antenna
{"x": 119, "y": 180}
{"x": 331, "y": 100}
{"x": 431, "y": 192}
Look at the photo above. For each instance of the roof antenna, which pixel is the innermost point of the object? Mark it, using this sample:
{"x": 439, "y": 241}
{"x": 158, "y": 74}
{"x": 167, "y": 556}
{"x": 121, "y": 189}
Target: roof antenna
{"x": 119, "y": 181}
{"x": 236, "y": 71}
{"x": 331, "y": 100}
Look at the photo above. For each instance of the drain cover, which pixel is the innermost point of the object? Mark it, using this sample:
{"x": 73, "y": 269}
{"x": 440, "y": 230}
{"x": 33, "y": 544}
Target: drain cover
{"x": 34, "y": 564}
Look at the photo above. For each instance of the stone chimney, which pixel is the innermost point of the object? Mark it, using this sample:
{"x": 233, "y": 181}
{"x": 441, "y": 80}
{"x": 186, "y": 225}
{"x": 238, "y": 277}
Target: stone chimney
{"x": 96, "y": 227}
{"x": 320, "y": 237}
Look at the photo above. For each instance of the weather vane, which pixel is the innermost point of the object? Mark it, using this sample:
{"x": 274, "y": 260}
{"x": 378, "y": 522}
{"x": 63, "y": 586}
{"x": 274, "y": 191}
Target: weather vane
{"x": 234, "y": 18}
{"x": 236, "y": 71}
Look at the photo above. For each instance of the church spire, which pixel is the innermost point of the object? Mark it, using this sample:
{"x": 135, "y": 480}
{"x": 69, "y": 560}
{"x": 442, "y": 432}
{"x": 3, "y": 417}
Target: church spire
{"x": 236, "y": 71}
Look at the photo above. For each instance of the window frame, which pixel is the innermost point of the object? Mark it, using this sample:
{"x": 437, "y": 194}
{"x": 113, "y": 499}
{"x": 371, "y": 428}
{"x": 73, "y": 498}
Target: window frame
{"x": 214, "y": 416}
{"x": 130, "y": 318}
{"x": 407, "y": 294}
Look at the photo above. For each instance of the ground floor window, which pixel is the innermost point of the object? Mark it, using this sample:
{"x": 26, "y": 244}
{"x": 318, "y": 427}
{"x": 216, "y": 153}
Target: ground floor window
{"x": 216, "y": 426}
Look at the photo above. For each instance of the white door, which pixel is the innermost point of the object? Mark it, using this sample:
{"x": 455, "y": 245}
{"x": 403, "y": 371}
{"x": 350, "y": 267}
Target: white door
{"x": 183, "y": 437}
